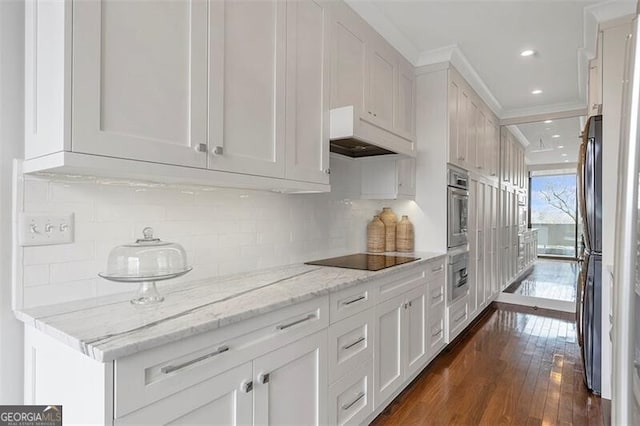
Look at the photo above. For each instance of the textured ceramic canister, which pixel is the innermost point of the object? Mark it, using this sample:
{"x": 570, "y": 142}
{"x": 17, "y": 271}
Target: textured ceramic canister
{"x": 375, "y": 236}
{"x": 390, "y": 220}
{"x": 405, "y": 235}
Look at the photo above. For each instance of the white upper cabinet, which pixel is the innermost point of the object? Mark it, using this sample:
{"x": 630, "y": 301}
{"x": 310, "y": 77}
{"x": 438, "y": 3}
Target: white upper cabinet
{"x": 247, "y": 76}
{"x": 404, "y": 119}
{"x": 381, "y": 84}
{"x": 140, "y": 91}
{"x": 307, "y": 135}
{"x": 370, "y": 75}
{"x": 229, "y": 91}
{"x": 473, "y": 129}
{"x": 349, "y": 62}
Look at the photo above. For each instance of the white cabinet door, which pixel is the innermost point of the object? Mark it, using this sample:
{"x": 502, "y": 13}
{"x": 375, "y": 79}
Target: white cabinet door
{"x": 473, "y": 238}
{"x": 406, "y": 177}
{"x": 291, "y": 383}
{"x": 472, "y": 132}
{"x": 381, "y": 84}
{"x": 480, "y": 245}
{"x": 223, "y": 399}
{"x": 307, "y": 147}
{"x": 140, "y": 80}
{"x": 348, "y": 62}
{"x": 454, "y": 98}
{"x": 416, "y": 322}
{"x": 404, "y": 121}
{"x": 388, "y": 348}
{"x": 247, "y": 87}
{"x": 481, "y": 145}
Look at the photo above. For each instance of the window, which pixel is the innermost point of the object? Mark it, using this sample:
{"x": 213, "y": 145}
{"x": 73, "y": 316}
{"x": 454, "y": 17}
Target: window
{"x": 554, "y": 212}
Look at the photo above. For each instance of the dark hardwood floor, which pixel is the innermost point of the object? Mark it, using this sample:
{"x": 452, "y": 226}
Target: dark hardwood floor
{"x": 511, "y": 368}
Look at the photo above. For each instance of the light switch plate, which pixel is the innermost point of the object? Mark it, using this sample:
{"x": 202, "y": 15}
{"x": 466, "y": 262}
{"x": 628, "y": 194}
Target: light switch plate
{"x": 41, "y": 229}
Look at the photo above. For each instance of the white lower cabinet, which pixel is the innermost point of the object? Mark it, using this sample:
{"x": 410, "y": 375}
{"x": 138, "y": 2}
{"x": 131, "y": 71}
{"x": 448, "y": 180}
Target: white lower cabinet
{"x": 291, "y": 366}
{"x": 223, "y": 399}
{"x": 401, "y": 341}
{"x": 457, "y": 317}
{"x": 351, "y": 397}
{"x": 291, "y": 383}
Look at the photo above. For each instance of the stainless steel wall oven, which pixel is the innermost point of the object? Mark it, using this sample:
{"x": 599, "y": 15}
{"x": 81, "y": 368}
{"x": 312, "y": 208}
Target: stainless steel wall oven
{"x": 457, "y": 207}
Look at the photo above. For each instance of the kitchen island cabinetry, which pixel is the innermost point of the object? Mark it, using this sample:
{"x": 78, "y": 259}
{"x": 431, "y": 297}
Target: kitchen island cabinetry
{"x": 309, "y": 345}
{"x": 168, "y": 99}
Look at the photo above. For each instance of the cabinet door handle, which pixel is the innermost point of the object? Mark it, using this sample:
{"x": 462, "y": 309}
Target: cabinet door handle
{"x": 291, "y": 324}
{"x": 357, "y": 299}
{"x": 171, "y": 368}
{"x": 219, "y": 150}
{"x": 438, "y": 269}
{"x": 350, "y": 345}
{"x": 264, "y": 378}
{"x": 352, "y": 403}
{"x": 460, "y": 318}
{"x": 437, "y": 333}
{"x": 247, "y": 386}
{"x": 201, "y": 147}
{"x": 438, "y": 296}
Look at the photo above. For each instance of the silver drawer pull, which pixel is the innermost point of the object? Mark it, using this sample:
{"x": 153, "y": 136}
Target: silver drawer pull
{"x": 460, "y": 318}
{"x": 438, "y": 269}
{"x": 437, "y": 333}
{"x": 357, "y": 299}
{"x": 350, "y": 345}
{"x": 171, "y": 368}
{"x": 352, "y": 403}
{"x": 291, "y": 324}
{"x": 438, "y": 296}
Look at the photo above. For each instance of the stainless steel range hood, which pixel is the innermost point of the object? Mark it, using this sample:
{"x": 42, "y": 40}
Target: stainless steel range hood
{"x": 356, "y": 136}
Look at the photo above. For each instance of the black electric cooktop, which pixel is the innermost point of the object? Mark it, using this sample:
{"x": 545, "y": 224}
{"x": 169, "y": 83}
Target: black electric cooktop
{"x": 366, "y": 262}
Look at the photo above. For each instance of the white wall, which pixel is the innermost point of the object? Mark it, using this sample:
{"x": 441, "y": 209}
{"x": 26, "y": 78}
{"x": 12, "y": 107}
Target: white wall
{"x": 11, "y": 141}
{"x": 223, "y": 231}
{"x": 613, "y": 64}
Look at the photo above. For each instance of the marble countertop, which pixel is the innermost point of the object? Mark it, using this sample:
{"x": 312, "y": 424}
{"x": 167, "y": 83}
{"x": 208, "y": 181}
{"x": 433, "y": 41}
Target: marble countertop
{"x": 111, "y": 327}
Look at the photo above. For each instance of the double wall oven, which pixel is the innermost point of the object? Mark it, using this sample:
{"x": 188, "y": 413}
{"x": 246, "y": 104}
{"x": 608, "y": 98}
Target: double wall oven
{"x": 457, "y": 240}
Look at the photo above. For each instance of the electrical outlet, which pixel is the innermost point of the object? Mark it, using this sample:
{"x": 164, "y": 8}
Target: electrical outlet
{"x": 40, "y": 229}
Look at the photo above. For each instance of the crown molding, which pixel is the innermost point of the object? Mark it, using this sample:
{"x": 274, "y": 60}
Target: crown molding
{"x": 454, "y": 55}
{"x": 379, "y": 21}
{"x": 543, "y": 112}
{"x": 520, "y": 137}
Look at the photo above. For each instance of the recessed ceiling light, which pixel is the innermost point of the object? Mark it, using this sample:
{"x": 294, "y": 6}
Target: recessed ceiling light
{"x": 536, "y": 92}
{"x": 560, "y": 146}
{"x": 548, "y": 121}
{"x": 564, "y": 155}
{"x": 555, "y": 136}
{"x": 528, "y": 52}
{"x": 566, "y": 161}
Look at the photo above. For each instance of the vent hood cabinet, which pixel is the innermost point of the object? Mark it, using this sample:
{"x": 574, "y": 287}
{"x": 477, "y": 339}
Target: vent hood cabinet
{"x": 373, "y": 87}
{"x": 220, "y": 93}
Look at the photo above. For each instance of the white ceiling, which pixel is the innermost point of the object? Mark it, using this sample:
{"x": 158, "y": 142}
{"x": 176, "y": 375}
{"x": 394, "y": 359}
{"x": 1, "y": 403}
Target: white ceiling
{"x": 549, "y": 152}
{"x": 489, "y": 36}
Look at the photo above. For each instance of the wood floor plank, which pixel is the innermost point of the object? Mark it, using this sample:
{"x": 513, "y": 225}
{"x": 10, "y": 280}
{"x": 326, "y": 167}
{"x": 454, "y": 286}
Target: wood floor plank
{"x": 513, "y": 368}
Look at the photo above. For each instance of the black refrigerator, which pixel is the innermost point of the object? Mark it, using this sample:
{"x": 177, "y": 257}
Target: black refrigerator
{"x": 589, "y": 294}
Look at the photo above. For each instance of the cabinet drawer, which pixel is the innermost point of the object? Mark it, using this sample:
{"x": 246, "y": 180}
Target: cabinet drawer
{"x": 436, "y": 268}
{"x": 350, "y": 344}
{"x": 350, "y": 301}
{"x": 457, "y": 316}
{"x": 351, "y": 398}
{"x": 436, "y": 332}
{"x": 400, "y": 283}
{"x": 148, "y": 376}
{"x": 436, "y": 293}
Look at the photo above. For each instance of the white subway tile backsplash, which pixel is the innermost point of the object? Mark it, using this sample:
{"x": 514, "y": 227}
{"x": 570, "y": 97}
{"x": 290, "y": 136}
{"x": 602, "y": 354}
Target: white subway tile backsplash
{"x": 39, "y": 255}
{"x": 34, "y": 275}
{"x": 74, "y": 271}
{"x": 224, "y": 231}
